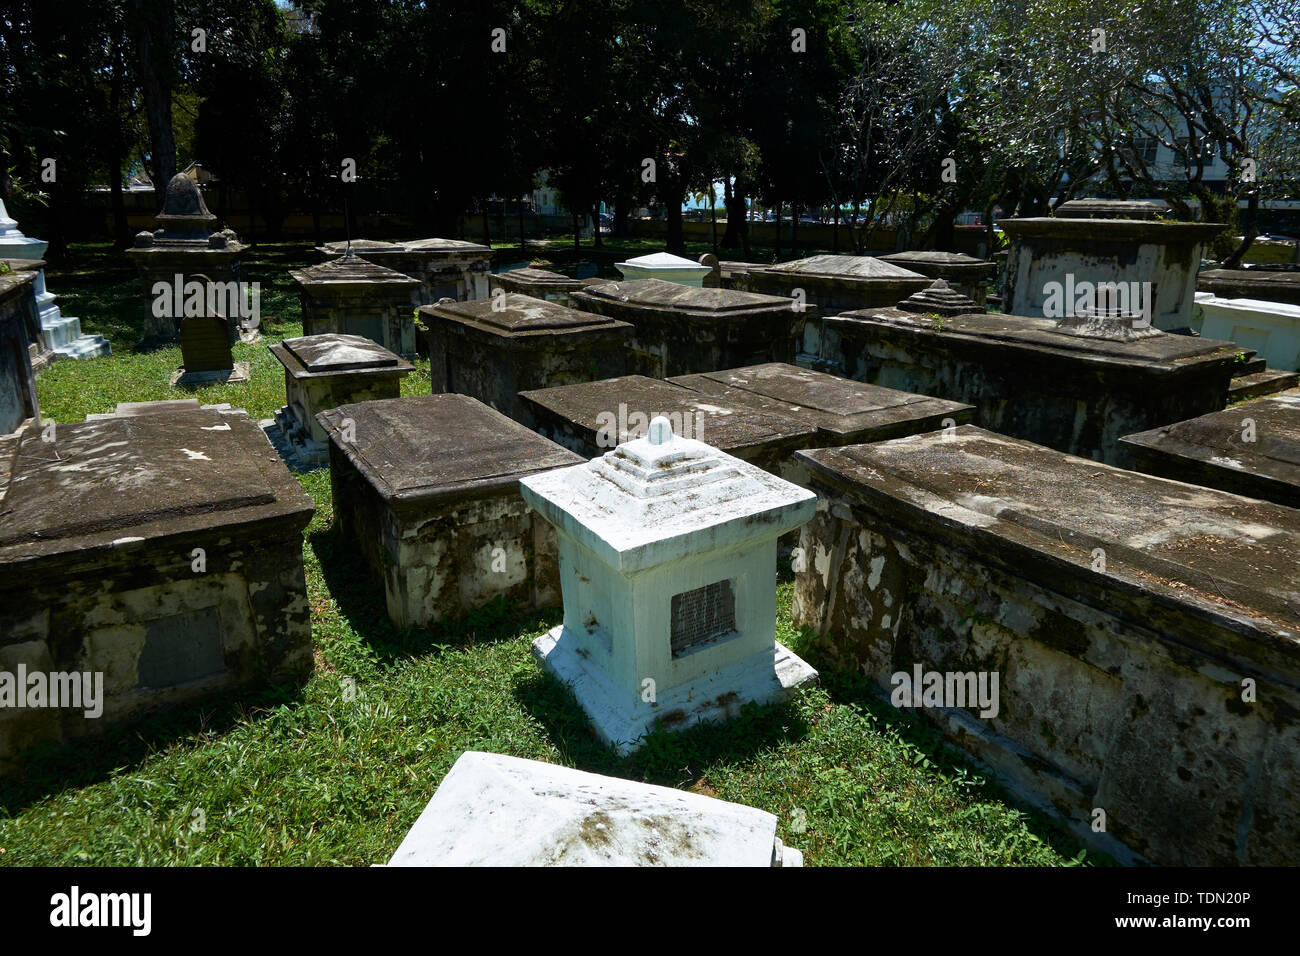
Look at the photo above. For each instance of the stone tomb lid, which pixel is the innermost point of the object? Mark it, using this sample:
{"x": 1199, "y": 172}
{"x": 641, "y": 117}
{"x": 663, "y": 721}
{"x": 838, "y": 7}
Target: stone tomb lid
{"x": 731, "y": 426}
{"x": 853, "y": 268}
{"x": 331, "y": 353}
{"x": 351, "y": 271}
{"x": 1216, "y": 439}
{"x": 663, "y": 498}
{"x": 424, "y": 447}
{"x": 538, "y": 276}
{"x": 674, "y": 297}
{"x": 496, "y": 810}
{"x": 1040, "y": 513}
{"x": 125, "y": 479}
{"x": 521, "y": 314}
{"x": 1162, "y": 351}
{"x": 839, "y": 408}
{"x": 930, "y": 258}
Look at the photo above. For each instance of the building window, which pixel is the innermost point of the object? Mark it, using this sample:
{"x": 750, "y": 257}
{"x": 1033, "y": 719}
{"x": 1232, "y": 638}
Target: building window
{"x": 1146, "y": 148}
{"x": 702, "y": 617}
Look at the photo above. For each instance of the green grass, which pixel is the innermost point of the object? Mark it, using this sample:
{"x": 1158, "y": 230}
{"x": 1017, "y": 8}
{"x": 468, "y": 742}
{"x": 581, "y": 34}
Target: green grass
{"x": 337, "y": 770}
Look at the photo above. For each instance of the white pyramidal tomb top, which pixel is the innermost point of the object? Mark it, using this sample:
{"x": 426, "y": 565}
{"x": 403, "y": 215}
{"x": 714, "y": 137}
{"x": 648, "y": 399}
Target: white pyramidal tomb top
{"x": 657, "y": 498}
{"x": 13, "y": 244}
{"x": 664, "y": 265}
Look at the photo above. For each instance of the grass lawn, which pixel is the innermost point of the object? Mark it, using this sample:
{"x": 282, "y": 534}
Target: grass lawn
{"x": 337, "y": 770}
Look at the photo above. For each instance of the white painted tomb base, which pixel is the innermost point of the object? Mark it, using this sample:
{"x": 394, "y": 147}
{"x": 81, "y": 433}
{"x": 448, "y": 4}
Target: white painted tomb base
{"x": 495, "y": 810}
{"x": 1272, "y": 329}
{"x": 715, "y": 696}
{"x": 668, "y": 569}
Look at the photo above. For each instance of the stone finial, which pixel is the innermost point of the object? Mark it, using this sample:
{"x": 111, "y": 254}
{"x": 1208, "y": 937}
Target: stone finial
{"x": 939, "y": 299}
{"x": 661, "y": 431}
{"x": 183, "y": 198}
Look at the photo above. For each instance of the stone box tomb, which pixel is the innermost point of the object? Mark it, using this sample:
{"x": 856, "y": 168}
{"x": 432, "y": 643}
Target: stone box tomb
{"x": 833, "y": 283}
{"x": 665, "y": 266}
{"x": 492, "y": 349}
{"x": 449, "y": 268}
{"x": 427, "y": 490}
{"x": 1251, "y": 449}
{"x": 496, "y": 810}
{"x": 679, "y": 329}
{"x": 323, "y": 372}
{"x": 163, "y": 551}
{"x": 1076, "y": 385}
{"x": 352, "y": 296}
{"x": 1113, "y": 242}
{"x": 668, "y": 569}
{"x": 1121, "y": 615}
{"x": 1270, "y": 329}
{"x": 538, "y": 283}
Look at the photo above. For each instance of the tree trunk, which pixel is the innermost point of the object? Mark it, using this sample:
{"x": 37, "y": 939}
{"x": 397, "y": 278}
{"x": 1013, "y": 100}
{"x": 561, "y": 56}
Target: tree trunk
{"x": 622, "y": 212}
{"x": 1249, "y": 230}
{"x": 835, "y": 230}
{"x": 777, "y": 257}
{"x": 487, "y": 235}
{"x": 155, "y": 39}
{"x": 595, "y": 224}
{"x": 676, "y": 243}
{"x": 577, "y": 231}
{"x": 523, "y": 243}
{"x": 713, "y": 215}
{"x": 794, "y": 230}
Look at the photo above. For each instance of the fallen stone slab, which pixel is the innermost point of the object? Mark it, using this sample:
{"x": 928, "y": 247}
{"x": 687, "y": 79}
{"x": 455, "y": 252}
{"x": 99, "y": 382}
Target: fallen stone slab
{"x": 495, "y": 810}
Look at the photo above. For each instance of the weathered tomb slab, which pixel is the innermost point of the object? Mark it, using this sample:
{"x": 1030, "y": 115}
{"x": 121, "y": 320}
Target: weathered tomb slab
{"x": 162, "y": 552}
{"x": 1252, "y": 449}
{"x": 967, "y": 274}
{"x": 492, "y": 349}
{"x": 679, "y": 329}
{"x": 834, "y": 283}
{"x": 843, "y": 411}
{"x": 353, "y": 296}
{"x": 496, "y": 810}
{"x": 19, "y": 327}
{"x": 1124, "y": 616}
{"x": 668, "y": 555}
{"x": 323, "y": 372}
{"x": 1077, "y": 388}
{"x": 593, "y": 417}
{"x": 427, "y": 488}
{"x": 450, "y": 268}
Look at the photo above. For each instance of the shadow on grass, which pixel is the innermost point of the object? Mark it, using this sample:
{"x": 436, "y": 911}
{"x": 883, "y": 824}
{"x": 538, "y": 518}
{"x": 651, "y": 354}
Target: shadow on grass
{"x": 670, "y": 759}
{"x": 849, "y": 688}
{"x": 361, "y": 602}
{"x": 50, "y": 768}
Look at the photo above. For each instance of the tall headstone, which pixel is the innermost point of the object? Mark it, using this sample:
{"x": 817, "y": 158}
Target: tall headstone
{"x": 205, "y": 353}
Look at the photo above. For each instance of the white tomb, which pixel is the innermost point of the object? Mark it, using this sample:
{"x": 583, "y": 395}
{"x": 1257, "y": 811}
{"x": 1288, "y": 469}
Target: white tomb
{"x": 1271, "y": 329}
{"x": 60, "y": 334}
{"x": 668, "y": 570}
{"x": 494, "y": 810}
{"x": 664, "y": 265}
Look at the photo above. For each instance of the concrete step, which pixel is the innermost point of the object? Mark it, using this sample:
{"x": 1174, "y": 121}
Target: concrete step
{"x": 1250, "y": 367}
{"x": 1261, "y": 383}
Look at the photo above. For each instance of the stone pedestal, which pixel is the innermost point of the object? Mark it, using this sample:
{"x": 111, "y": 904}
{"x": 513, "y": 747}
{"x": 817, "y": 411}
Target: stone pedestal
{"x": 427, "y": 490}
{"x": 494, "y": 810}
{"x": 1270, "y": 328}
{"x": 444, "y": 268}
{"x": 678, "y": 329}
{"x": 1251, "y": 449}
{"x": 352, "y": 296}
{"x": 19, "y": 325}
{"x": 665, "y": 266}
{"x": 161, "y": 554}
{"x": 324, "y": 371}
{"x": 668, "y": 568}
{"x": 1123, "y": 617}
{"x": 833, "y": 284}
{"x": 185, "y": 245}
{"x": 494, "y": 348}
{"x": 1058, "y": 261}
